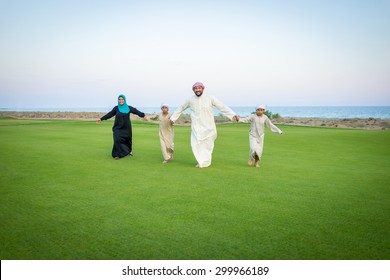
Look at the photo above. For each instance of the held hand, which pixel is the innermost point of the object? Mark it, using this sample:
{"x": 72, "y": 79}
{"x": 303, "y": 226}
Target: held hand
{"x": 172, "y": 122}
{"x": 236, "y": 118}
{"x": 98, "y": 121}
{"x": 146, "y": 118}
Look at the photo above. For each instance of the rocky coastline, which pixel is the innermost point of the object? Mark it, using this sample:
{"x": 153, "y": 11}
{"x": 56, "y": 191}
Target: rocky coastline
{"x": 355, "y": 123}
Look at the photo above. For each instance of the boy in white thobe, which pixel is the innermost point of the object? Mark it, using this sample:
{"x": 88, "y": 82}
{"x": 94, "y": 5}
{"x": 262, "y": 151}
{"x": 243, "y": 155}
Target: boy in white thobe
{"x": 166, "y": 133}
{"x": 256, "y": 133}
{"x": 203, "y": 129}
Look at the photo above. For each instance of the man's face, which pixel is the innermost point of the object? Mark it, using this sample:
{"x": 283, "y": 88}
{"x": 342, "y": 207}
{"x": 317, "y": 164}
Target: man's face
{"x": 198, "y": 90}
{"x": 121, "y": 100}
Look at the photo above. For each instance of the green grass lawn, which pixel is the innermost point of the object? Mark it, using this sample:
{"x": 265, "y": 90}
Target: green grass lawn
{"x": 320, "y": 193}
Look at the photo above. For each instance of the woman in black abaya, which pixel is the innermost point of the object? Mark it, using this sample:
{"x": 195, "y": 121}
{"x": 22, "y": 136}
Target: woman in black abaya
{"x": 122, "y": 127}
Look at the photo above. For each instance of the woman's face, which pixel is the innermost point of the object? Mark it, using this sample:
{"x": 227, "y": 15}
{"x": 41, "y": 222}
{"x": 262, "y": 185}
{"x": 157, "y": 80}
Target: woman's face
{"x": 121, "y": 101}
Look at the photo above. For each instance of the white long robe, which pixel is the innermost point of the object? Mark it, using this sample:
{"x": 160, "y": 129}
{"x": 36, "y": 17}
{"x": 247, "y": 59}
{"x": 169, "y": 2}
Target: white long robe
{"x": 203, "y": 129}
{"x": 256, "y": 133}
{"x": 166, "y": 136}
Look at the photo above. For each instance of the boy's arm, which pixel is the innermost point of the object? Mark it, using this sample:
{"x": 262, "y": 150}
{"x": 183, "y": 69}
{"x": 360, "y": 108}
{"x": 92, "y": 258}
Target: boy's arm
{"x": 247, "y": 119}
{"x": 271, "y": 126}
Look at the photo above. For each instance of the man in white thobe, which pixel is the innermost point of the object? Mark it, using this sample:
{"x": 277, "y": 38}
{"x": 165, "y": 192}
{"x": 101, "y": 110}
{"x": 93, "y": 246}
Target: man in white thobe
{"x": 203, "y": 129}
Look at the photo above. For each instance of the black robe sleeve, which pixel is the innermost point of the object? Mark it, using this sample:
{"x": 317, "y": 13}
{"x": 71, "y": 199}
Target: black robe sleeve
{"x": 136, "y": 112}
{"x": 109, "y": 115}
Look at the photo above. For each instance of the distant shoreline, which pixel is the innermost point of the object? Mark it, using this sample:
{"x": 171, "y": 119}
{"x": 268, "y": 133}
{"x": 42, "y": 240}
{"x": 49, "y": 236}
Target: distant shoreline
{"x": 326, "y": 112}
{"x": 356, "y": 123}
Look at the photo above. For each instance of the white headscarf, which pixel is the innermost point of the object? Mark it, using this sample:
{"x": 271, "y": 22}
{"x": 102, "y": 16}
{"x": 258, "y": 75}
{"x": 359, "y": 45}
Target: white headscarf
{"x": 260, "y": 107}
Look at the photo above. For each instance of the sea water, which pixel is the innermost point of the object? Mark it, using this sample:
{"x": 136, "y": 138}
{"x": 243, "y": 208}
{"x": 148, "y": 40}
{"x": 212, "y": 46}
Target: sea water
{"x": 329, "y": 112}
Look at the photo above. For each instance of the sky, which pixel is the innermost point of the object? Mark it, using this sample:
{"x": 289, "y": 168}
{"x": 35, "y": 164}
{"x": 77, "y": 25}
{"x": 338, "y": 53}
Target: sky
{"x": 81, "y": 53}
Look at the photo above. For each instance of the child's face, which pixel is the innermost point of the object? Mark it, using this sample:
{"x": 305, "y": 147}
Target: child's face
{"x": 164, "y": 109}
{"x": 259, "y": 112}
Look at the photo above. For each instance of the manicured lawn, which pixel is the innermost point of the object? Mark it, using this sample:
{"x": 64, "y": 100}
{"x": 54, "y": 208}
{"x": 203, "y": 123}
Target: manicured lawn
{"x": 319, "y": 194}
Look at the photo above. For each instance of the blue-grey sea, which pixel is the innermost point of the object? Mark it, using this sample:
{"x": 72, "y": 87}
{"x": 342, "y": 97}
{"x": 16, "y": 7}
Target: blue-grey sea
{"x": 330, "y": 112}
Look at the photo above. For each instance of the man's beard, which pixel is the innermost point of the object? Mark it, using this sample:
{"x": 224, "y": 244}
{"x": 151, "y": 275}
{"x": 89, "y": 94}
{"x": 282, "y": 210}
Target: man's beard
{"x": 198, "y": 93}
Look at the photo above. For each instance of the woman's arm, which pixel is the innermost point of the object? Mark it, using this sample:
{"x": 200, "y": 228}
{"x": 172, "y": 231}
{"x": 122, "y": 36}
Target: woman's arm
{"x": 107, "y": 116}
{"x": 136, "y": 112}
